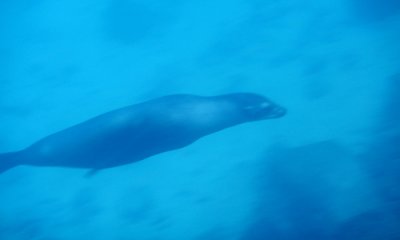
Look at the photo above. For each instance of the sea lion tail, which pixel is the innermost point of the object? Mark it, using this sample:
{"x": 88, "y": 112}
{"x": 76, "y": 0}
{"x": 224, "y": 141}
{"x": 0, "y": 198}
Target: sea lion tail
{"x": 7, "y": 161}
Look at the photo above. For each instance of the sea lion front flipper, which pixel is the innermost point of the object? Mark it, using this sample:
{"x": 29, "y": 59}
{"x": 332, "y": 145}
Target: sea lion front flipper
{"x": 91, "y": 173}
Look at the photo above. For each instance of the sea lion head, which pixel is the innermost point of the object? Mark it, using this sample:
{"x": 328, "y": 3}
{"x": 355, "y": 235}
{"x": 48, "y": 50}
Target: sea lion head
{"x": 254, "y": 107}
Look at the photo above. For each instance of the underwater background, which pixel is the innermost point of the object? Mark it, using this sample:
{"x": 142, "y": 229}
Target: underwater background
{"x": 329, "y": 169}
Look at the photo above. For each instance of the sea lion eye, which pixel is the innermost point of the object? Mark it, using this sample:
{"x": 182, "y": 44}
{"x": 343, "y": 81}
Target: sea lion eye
{"x": 258, "y": 110}
{"x": 255, "y": 107}
{"x": 258, "y": 107}
{"x": 265, "y": 105}
{"x": 264, "y": 110}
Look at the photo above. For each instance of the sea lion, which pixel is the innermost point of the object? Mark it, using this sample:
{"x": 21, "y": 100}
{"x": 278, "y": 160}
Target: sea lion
{"x": 142, "y": 130}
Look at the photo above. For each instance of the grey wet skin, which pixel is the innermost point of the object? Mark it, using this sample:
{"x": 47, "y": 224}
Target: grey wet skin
{"x": 142, "y": 130}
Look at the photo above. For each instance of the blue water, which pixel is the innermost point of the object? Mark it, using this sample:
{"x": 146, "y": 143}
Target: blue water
{"x": 327, "y": 170}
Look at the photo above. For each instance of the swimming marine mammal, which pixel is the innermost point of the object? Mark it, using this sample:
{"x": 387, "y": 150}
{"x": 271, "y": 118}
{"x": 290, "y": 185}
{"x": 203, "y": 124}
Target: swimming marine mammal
{"x": 142, "y": 130}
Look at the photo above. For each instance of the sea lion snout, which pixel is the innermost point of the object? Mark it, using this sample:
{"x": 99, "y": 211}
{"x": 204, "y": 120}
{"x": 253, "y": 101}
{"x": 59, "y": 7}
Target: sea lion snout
{"x": 277, "y": 112}
{"x": 257, "y": 107}
{"x": 268, "y": 109}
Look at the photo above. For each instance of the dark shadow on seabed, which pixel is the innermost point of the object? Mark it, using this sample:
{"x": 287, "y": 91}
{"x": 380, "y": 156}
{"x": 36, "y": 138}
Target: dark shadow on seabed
{"x": 295, "y": 186}
{"x": 298, "y": 187}
{"x": 382, "y": 164}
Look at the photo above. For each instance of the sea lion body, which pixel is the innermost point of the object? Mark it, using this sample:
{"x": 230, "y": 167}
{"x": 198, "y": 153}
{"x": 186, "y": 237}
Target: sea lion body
{"x": 139, "y": 131}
